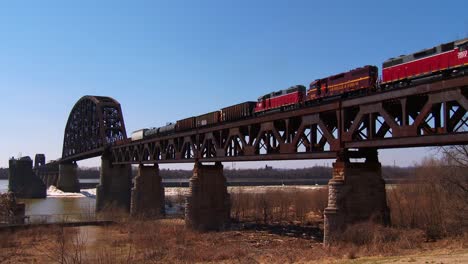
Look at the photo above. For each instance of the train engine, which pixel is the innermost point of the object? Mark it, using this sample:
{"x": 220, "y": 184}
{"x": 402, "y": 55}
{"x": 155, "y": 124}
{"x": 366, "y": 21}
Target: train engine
{"x": 284, "y": 99}
{"x": 351, "y": 82}
{"x": 445, "y": 59}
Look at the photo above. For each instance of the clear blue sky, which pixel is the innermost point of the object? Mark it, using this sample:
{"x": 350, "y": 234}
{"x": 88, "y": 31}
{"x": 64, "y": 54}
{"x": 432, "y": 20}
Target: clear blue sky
{"x": 166, "y": 60}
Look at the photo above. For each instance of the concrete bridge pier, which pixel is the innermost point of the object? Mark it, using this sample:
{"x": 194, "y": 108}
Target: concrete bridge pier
{"x": 148, "y": 193}
{"x": 356, "y": 193}
{"x": 68, "y": 177}
{"x": 51, "y": 179}
{"x": 114, "y": 189}
{"x": 208, "y": 204}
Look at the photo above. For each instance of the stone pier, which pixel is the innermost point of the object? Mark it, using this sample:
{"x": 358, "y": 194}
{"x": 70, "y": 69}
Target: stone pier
{"x": 148, "y": 193}
{"x": 356, "y": 193}
{"x": 208, "y": 205}
{"x": 114, "y": 189}
{"x": 68, "y": 177}
{"x": 22, "y": 180}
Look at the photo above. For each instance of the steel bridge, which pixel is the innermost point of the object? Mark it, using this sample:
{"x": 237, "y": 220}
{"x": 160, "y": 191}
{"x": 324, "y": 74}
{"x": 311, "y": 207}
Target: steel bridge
{"x": 94, "y": 123}
{"x": 425, "y": 114}
{"x": 428, "y": 114}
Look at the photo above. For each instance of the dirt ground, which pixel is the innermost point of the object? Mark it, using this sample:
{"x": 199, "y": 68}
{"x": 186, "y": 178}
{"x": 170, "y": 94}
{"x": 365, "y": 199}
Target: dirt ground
{"x": 438, "y": 256}
{"x": 167, "y": 241}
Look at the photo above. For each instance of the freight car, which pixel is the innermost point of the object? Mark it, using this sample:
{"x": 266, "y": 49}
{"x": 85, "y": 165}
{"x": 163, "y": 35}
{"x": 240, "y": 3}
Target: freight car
{"x": 355, "y": 81}
{"x": 207, "y": 119}
{"x": 185, "y": 124}
{"x": 289, "y": 98}
{"x": 168, "y": 129}
{"x": 445, "y": 59}
{"x": 238, "y": 111}
{"x": 150, "y": 132}
{"x": 139, "y": 134}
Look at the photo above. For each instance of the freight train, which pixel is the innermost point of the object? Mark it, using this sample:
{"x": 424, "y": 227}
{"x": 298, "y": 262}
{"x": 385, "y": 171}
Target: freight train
{"x": 442, "y": 61}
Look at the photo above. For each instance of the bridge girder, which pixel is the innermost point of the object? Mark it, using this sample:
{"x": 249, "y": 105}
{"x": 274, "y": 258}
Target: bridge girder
{"x": 423, "y": 115}
{"x": 94, "y": 123}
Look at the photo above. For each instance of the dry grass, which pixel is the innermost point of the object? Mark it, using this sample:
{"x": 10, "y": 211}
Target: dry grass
{"x": 291, "y": 205}
{"x": 167, "y": 241}
{"x": 372, "y": 239}
{"x": 427, "y": 216}
{"x": 438, "y": 205}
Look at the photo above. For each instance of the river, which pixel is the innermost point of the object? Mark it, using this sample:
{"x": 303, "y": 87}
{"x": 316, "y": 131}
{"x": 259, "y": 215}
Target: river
{"x": 58, "y": 206}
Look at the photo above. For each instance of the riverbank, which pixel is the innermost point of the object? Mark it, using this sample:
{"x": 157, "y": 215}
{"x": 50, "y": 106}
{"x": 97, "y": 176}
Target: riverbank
{"x": 167, "y": 241}
{"x": 271, "y": 224}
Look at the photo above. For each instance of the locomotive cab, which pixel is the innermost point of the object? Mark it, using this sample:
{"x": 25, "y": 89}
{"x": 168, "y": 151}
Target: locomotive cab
{"x": 462, "y": 46}
{"x": 315, "y": 90}
{"x": 262, "y": 103}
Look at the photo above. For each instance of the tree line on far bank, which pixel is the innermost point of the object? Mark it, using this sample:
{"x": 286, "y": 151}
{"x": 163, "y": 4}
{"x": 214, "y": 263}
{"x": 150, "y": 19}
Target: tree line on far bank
{"x": 318, "y": 172}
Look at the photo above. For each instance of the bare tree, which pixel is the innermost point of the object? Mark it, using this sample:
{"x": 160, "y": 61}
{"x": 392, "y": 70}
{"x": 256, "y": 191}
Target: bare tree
{"x": 456, "y": 155}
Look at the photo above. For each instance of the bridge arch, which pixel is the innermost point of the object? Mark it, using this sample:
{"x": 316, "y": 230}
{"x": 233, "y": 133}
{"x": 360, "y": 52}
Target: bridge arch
{"x": 93, "y": 123}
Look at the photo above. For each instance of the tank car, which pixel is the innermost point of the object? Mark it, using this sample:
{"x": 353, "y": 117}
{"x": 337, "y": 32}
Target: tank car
{"x": 167, "y": 129}
{"x": 150, "y": 132}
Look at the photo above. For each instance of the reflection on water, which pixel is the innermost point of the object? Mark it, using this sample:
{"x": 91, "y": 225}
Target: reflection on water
{"x": 59, "y": 205}
{"x": 3, "y": 186}
{"x": 58, "y": 209}
{"x": 53, "y": 209}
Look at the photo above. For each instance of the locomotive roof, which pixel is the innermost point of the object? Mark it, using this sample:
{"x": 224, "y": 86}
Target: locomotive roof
{"x": 424, "y": 53}
{"x": 282, "y": 92}
{"x": 350, "y": 71}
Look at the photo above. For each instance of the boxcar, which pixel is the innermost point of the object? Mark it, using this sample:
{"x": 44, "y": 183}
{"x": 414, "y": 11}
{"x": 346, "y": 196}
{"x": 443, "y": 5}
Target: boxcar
{"x": 238, "y": 111}
{"x": 185, "y": 124}
{"x": 207, "y": 119}
{"x": 139, "y": 134}
{"x": 448, "y": 56}
{"x": 294, "y": 95}
{"x": 347, "y": 82}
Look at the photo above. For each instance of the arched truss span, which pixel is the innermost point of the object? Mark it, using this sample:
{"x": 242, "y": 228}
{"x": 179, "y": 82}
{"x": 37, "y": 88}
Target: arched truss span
{"x": 93, "y": 123}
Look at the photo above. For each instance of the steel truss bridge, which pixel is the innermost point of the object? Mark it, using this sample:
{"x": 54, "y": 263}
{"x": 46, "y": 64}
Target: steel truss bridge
{"x": 428, "y": 114}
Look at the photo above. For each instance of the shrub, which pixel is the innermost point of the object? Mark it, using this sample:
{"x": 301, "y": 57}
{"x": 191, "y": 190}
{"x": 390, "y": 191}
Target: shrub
{"x": 292, "y": 204}
{"x": 435, "y": 204}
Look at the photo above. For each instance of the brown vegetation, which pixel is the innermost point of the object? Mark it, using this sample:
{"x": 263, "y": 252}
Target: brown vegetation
{"x": 433, "y": 210}
{"x": 167, "y": 241}
{"x": 292, "y": 204}
{"x": 438, "y": 205}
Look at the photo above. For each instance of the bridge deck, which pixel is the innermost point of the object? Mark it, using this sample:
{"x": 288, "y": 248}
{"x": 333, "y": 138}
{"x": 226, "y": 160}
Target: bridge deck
{"x": 428, "y": 114}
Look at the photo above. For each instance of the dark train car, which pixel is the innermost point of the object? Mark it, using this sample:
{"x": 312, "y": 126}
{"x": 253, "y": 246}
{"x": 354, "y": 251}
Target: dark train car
{"x": 238, "y": 111}
{"x": 446, "y": 57}
{"x": 185, "y": 124}
{"x": 150, "y": 132}
{"x": 167, "y": 129}
{"x": 347, "y": 82}
{"x": 207, "y": 119}
{"x": 294, "y": 95}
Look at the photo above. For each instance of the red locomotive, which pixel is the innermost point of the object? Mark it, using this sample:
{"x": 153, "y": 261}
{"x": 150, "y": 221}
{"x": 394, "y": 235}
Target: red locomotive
{"x": 441, "y": 61}
{"x": 288, "y": 98}
{"x": 444, "y": 58}
{"x": 354, "y": 81}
